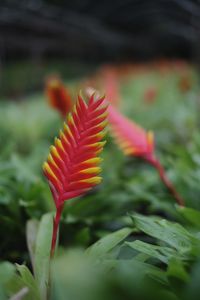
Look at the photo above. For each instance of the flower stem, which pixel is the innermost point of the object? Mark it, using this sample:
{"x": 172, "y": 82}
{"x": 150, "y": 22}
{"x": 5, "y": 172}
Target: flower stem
{"x": 56, "y": 222}
{"x": 166, "y": 181}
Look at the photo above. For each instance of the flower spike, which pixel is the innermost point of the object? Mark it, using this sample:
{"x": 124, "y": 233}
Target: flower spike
{"x": 58, "y": 95}
{"x": 135, "y": 141}
{"x": 72, "y": 167}
{"x": 130, "y": 137}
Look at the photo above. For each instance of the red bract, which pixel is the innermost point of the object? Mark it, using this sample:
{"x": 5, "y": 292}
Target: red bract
{"x": 135, "y": 141}
{"x": 58, "y": 95}
{"x": 72, "y": 167}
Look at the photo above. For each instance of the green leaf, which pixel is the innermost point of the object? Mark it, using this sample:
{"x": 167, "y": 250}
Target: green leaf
{"x": 29, "y": 282}
{"x": 171, "y": 233}
{"x": 42, "y": 253}
{"x": 107, "y": 243}
{"x": 31, "y": 234}
{"x": 163, "y": 254}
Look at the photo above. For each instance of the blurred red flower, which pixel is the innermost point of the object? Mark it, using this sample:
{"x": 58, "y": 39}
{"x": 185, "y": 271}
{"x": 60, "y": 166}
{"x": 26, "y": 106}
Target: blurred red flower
{"x": 135, "y": 141}
{"x": 58, "y": 96}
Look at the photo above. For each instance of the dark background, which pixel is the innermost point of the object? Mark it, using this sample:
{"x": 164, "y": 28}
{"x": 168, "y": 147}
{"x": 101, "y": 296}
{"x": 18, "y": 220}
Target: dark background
{"x": 40, "y": 32}
{"x": 100, "y": 30}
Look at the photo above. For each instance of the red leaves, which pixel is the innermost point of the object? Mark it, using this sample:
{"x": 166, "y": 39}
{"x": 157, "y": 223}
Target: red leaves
{"x": 72, "y": 167}
{"x": 58, "y": 96}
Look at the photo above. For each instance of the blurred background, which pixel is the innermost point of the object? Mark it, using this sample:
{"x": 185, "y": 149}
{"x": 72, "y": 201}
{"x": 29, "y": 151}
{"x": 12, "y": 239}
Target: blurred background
{"x": 38, "y": 37}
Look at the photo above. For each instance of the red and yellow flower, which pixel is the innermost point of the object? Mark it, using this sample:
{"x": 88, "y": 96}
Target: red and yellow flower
{"x": 72, "y": 167}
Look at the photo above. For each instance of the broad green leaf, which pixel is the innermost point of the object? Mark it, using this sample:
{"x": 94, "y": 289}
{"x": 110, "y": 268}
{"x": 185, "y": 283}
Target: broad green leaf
{"x": 31, "y": 234}
{"x": 162, "y": 253}
{"x": 107, "y": 243}
{"x": 29, "y": 282}
{"x": 42, "y": 253}
{"x": 171, "y": 233}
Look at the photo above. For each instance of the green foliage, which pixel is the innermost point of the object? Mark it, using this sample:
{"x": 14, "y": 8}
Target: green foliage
{"x": 29, "y": 282}
{"x": 107, "y": 243}
{"x": 124, "y": 240}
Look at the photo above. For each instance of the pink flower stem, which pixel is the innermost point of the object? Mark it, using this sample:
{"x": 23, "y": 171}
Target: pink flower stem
{"x": 56, "y": 222}
{"x": 155, "y": 162}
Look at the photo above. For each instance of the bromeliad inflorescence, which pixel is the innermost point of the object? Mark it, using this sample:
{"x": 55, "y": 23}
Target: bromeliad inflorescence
{"x": 72, "y": 167}
{"x": 135, "y": 141}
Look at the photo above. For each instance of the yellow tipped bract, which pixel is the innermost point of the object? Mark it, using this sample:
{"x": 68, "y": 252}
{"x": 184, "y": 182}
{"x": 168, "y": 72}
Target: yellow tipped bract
{"x": 73, "y": 163}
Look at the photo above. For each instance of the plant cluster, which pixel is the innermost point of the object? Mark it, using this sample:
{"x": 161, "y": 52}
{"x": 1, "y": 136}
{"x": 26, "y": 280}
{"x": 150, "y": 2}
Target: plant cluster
{"x": 134, "y": 236}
